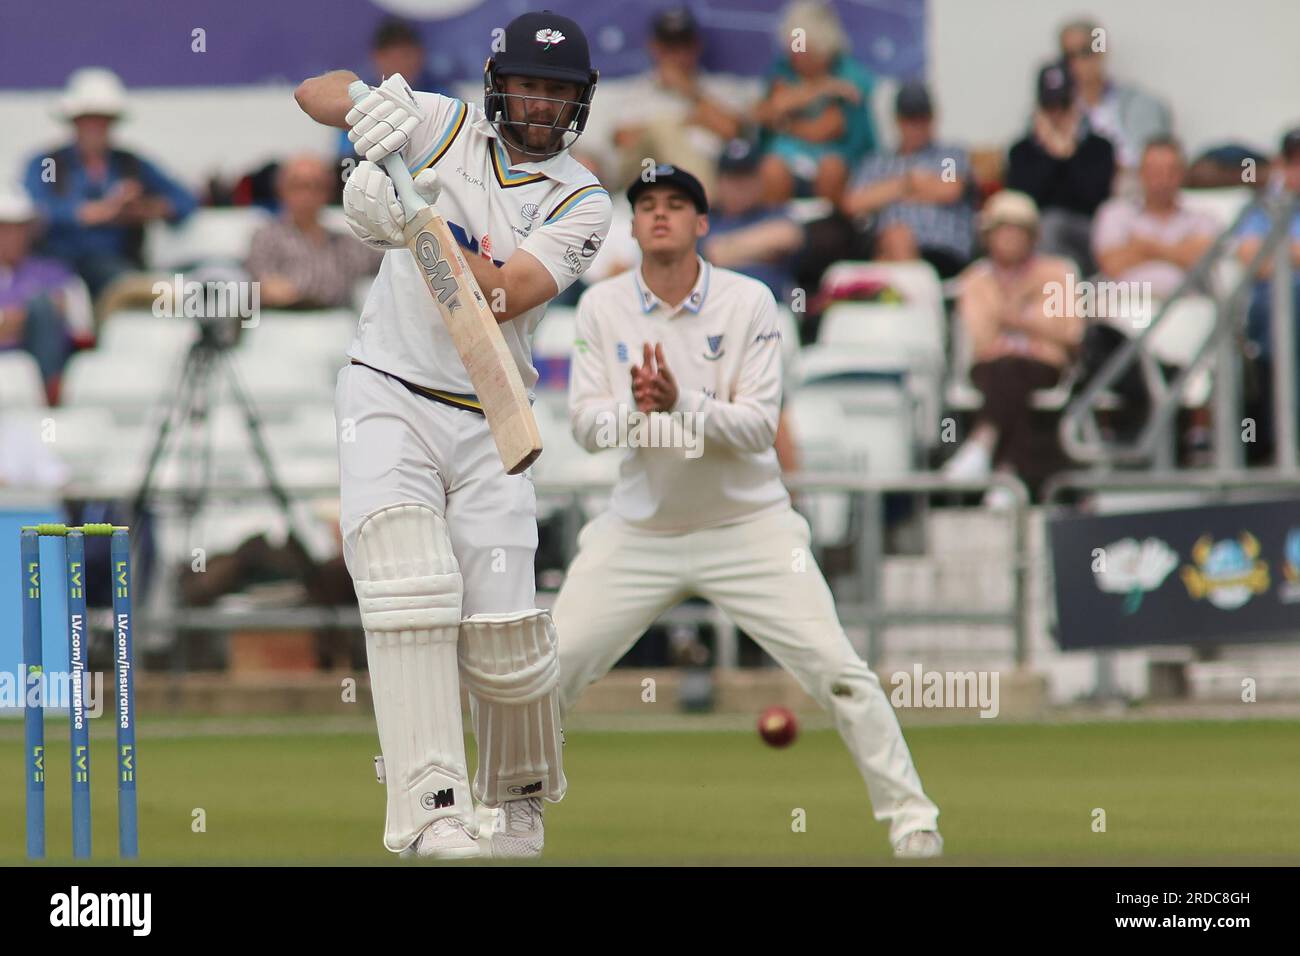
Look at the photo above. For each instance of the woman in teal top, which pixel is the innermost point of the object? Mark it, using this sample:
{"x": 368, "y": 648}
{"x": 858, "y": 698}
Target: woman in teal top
{"x": 816, "y": 114}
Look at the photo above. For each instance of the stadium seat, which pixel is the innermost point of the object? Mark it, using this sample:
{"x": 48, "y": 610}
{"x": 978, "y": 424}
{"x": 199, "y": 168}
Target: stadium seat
{"x": 130, "y": 385}
{"x": 1177, "y": 339}
{"x": 21, "y": 385}
{"x": 317, "y": 338}
{"x": 818, "y": 425}
{"x": 99, "y": 450}
{"x": 1222, "y": 205}
{"x": 269, "y": 380}
{"x": 871, "y": 393}
{"x": 563, "y": 459}
{"x": 916, "y": 330}
{"x": 143, "y": 334}
{"x": 554, "y": 335}
{"x": 886, "y": 362}
{"x": 553, "y": 348}
{"x": 961, "y": 395}
{"x": 917, "y": 281}
{"x": 206, "y": 236}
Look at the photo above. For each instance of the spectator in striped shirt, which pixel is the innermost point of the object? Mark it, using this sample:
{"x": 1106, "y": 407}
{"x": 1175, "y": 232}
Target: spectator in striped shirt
{"x": 297, "y": 261}
{"x": 916, "y": 203}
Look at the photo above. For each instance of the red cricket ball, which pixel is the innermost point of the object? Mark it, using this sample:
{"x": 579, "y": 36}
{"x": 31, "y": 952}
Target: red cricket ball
{"x": 778, "y": 727}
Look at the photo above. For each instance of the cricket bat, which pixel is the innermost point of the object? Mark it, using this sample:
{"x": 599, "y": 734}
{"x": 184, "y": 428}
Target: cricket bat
{"x": 472, "y": 324}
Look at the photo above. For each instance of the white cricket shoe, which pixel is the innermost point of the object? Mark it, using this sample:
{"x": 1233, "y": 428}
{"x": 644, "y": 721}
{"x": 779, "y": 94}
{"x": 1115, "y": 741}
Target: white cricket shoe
{"x": 445, "y": 839}
{"x": 919, "y": 845}
{"x": 517, "y": 831}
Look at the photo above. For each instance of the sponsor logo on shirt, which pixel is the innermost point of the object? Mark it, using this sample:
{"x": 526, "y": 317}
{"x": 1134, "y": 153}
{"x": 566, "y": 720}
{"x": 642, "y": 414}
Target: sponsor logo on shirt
{"x": 774, "y": 335}
{"x": 468, "y": 178}
{"x": 715, "y": 351}
{"x": 621, "y": 351}
{"x": 530, "y": 211}
{"x": 572, "y": 261}
{"x": 590, "y": 246}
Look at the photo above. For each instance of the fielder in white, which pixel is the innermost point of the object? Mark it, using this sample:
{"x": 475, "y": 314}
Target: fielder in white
{"x": 682, "y": 361}
{"x": 438, "y": 538}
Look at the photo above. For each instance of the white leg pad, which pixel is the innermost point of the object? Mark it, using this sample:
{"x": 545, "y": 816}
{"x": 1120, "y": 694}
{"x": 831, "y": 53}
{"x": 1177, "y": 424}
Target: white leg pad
{"x": 510, "y": 663}
{"x": 409, "y": 587}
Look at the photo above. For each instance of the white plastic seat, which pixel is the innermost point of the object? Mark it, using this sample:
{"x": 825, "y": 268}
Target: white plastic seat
{"x": 1222, "y": 205}
{"x": 563, "y": 459}
{"x": 206, "y": 236}
{"x": 129, "y": 384}
{"x": 272, "y": 380}
{"x": 917, "y": 330}
{"x": 143, "y": 334}
{"x": 917, "y": 281}
{"x": 304, "y": 337}
{"x": 871, "y": 392}
{"x": 819, "y": 362}
{"x": 962, "y": 395}
{"x": 1177, "y": 339}
{"x": 21, "y": 385}
{"x": 554, "y": 335}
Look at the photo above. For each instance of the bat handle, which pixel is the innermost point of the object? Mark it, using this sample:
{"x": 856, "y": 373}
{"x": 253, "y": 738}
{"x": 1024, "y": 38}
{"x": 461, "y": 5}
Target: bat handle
{"x": 393, "y": 165}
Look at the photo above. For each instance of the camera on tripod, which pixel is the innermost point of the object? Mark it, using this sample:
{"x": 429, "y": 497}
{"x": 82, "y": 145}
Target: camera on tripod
{"x": 222, "y": 302}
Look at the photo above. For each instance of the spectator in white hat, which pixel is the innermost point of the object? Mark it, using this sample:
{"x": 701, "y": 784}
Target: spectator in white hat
{"x": 41, "y": 301}
{"x": 96, "y": 199}
{"x": 1023, "y": 331}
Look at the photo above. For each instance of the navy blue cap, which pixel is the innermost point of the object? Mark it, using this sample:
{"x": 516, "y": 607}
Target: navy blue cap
{"x": 913, "y": 101}
{"x": 666, "y": 174}
{"x": 676, "y": 25}
{"x": 1055, "y": 87}
{"x": 739, "y": 156}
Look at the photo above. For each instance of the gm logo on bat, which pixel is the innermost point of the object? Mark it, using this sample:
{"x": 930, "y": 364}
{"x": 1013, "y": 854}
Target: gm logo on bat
{"x": 437, "y": 270}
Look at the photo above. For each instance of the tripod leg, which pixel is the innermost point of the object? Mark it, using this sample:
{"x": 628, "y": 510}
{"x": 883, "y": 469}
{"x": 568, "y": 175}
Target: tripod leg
{"x": 186, "y": 390}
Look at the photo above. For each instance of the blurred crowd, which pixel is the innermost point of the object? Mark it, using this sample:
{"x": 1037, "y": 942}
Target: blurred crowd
{"x": 799, "y": 178}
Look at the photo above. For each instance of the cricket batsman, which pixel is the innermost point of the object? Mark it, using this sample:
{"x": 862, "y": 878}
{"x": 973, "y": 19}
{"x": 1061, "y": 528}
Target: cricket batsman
{"x": 682, "y": 361}
{"x": 438, "y": 538}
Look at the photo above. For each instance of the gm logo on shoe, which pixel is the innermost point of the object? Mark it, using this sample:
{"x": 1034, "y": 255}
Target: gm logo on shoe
{"x": 526, "y": 790}
{"x": 438, "y": 800}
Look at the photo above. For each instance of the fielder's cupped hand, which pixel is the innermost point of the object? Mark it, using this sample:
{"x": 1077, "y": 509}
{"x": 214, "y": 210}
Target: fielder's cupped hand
{"x": 382, "y": 122}
{"x": 653, "y": 384}
{"x": 370, "y": 204}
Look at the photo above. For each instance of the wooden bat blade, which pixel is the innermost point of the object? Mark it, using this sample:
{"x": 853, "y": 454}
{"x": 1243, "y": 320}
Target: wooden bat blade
{"x": 478, "y": 340}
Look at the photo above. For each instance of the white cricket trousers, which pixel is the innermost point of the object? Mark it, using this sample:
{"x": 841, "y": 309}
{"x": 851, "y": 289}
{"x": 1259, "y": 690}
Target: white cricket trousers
{"x": 762, "y": 575}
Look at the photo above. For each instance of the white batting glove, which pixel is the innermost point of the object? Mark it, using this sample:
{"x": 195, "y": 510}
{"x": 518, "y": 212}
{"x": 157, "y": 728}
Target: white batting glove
{"x": 372, "y": 209}
{"x": 382, "y": 123}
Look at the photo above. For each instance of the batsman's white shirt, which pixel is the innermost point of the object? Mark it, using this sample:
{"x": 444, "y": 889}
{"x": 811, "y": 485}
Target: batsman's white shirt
{"x": 555, "y": 210}
{"x": 723, "y": 345}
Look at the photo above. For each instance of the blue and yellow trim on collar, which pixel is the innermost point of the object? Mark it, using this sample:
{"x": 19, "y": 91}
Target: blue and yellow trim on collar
{"x": 692, "y": 303}
{"x": 501, "y": 166}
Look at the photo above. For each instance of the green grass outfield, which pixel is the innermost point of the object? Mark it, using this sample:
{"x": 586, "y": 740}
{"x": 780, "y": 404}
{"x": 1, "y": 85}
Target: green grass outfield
{"x": 303, "y": 791}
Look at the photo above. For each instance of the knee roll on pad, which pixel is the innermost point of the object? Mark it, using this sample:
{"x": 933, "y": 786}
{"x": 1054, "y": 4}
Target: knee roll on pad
{"x": 409, "y": 588}
{"x": 510, "y": 664}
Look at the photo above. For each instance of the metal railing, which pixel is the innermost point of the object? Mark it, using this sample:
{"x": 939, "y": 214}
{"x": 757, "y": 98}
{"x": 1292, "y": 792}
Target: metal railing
{"x": 865, "y": 608}
{"x": 1080, "y": 434}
